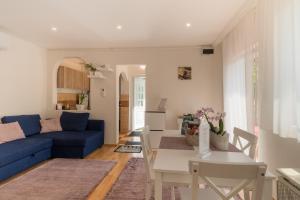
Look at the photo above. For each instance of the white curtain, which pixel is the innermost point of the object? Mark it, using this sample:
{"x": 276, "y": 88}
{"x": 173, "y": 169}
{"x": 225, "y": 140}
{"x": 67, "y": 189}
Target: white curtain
{"x": 238, "y": 60}
{"x": 279, "y": 39}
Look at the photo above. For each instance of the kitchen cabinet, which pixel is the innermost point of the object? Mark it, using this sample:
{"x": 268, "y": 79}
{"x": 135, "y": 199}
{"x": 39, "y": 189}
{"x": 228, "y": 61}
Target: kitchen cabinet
{"x": 68, "y": 78}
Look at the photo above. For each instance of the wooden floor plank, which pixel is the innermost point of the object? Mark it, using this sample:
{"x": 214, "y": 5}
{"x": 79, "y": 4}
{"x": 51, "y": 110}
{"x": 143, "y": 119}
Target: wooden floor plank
{"x": 107, "y": 153}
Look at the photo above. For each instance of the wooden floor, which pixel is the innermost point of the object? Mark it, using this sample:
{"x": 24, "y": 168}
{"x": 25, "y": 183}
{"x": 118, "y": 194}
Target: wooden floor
{"x": 107, "y": 153}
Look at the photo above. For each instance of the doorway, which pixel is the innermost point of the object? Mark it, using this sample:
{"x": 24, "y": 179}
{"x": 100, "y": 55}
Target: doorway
{"x": 131, "y": 99}
{"x": 139, "y": 102}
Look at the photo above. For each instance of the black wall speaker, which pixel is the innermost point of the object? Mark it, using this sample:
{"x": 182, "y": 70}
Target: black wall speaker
{"x": 207, "y": 51}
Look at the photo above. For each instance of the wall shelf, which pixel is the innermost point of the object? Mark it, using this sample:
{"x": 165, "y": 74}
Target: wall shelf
{"x": 97, "y": 75}
{"x": 105, "y": 69}
{"x": 75, "y": 111}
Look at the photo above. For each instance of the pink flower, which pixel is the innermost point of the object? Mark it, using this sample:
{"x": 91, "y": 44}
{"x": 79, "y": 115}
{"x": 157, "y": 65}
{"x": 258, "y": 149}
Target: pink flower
{"x": 207, "y": 110}
{"x": 210, "y": 110}
{"x": 223, "y": 115}
{"x": 199, "y": 113}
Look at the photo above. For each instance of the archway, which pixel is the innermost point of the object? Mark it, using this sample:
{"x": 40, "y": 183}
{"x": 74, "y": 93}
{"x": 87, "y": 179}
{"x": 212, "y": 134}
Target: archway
{"x": 71, "y": 85}
{"x": 123, "y": 104}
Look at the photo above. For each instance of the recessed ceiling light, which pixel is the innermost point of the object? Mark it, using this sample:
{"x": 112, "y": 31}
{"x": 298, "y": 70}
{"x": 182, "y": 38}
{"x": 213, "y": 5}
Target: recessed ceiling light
{"x": 54, "y": 29}
{"x": 188, "y": 25}
{"x": 119, "y": 27}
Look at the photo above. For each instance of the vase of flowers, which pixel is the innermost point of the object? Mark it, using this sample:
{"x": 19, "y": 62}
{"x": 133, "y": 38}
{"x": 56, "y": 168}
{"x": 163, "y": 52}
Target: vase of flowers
{"x": 219, "y": 138}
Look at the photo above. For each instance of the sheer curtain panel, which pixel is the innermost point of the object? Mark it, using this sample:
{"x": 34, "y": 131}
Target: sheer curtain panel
{"x": 238, "y": 61}
{"x": 279, "y": 38}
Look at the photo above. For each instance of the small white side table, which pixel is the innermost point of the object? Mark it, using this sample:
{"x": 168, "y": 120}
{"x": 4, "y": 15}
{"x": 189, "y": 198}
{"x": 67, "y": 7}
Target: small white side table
{"x": 156, "y": 120}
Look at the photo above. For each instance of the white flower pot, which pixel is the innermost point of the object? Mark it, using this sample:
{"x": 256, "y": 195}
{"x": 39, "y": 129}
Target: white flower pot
{"x": 221, "y": 142}
{"x": 80, "y": 106}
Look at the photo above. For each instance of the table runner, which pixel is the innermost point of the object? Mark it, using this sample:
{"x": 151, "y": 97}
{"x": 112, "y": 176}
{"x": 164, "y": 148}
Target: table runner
{"x": 180, "y": 143}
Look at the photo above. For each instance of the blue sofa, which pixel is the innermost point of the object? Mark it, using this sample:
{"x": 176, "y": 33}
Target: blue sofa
{"x": 75, "y": 141}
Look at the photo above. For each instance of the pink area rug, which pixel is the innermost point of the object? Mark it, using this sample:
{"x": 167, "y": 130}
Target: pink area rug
{"x": 58, "y": 179}
{"x": 131, "y": 183}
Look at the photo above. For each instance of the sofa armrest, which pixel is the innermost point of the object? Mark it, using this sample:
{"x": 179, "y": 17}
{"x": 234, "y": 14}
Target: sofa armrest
{"x": 96, "y": 125}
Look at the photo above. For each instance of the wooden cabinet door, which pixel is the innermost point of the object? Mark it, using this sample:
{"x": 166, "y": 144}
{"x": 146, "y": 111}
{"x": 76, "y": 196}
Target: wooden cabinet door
{"x": 124, "y": 119}
{"x": 60, "y": 77}
{"x": 78, "y": 80}
{"x": 124, "y": 113}
{"x": 72, "y": 79}
{"x": 68, "y": 78}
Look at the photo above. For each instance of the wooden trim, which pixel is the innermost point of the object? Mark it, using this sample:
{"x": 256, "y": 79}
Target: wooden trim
{"x": 155, "y": 111}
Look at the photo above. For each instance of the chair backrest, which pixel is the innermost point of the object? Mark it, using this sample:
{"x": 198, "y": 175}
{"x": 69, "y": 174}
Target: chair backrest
{"x": 244, "y": 140}
{"x": 244, "y": 174}
{"x": 147, "y": 151}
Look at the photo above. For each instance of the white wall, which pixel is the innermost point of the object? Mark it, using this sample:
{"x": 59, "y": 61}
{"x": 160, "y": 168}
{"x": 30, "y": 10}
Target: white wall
{"x": 205, "y": 88}
{"x": 278, "y": 152}
{"x": 22, "y": 77}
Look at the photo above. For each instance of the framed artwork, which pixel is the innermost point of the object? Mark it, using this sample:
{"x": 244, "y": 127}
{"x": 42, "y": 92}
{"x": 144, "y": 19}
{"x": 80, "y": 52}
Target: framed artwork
{"x": 184, "y": 73}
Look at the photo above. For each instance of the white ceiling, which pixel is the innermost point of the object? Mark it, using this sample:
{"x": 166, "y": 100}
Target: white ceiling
{"x": 92, "y": 23}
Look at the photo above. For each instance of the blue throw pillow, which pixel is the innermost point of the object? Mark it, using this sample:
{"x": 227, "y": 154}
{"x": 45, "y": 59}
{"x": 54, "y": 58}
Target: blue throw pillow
{"x": 74, "y": 121}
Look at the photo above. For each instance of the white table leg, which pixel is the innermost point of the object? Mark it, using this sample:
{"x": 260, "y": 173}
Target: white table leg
{"x": 158, "y": 186}
{"x": 268, "y": 189}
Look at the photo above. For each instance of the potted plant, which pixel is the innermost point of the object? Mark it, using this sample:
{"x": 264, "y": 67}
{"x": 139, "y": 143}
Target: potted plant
{"x": 81, "y": 100}
{"x": 91, "y": 68}
{"x": 219, "y": 138}
{"x": 186, "y": 119}
{"x": 189, "y": 128}
{"x": 192, "y": 134}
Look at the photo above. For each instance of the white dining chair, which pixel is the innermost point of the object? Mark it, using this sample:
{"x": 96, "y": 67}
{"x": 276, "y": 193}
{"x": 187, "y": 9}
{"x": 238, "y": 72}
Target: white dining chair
{"x": 148, "y": 155}
{"x": 245, "y": 141}
{"x": 243, "y": 174}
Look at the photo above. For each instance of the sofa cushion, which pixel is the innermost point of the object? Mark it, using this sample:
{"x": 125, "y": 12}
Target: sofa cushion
{"x": 50, "y": 125}
{"x": 95, "y": 125}
{"x": 10, "y": 132}
{"x": 74, "y": 121}
{"x": 29, "y": 123}
{"x": 18, "y": 149}
{"x": 72, "y": 138}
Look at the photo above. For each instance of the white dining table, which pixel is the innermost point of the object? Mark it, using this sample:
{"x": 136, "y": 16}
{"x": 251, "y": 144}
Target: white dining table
{"x": 171, "y": 166}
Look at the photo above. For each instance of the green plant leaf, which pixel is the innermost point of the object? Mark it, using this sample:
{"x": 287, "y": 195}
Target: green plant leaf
{"x": 221, "y": 126}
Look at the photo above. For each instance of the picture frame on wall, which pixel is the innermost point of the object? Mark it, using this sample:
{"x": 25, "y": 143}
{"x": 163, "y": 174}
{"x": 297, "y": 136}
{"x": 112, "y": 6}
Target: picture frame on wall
{"x": 184, "y": 73}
